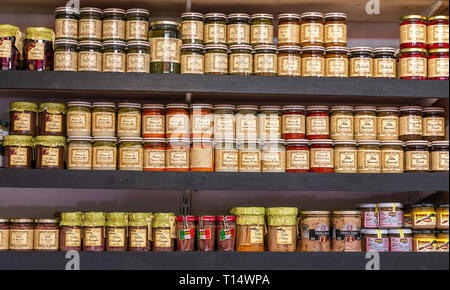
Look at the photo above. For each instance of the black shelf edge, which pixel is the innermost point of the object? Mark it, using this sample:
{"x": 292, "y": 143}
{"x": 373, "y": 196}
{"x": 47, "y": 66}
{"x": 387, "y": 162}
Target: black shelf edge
{"x": 34, "y": 178}
{"x": 176, "y": 83}
{"x": 222, "y": 261}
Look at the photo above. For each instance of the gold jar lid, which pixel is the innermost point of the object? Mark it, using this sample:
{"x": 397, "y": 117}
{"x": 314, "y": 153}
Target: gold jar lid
{"x": 18, "y": 140}
{"x": 281, "y": 211}
{"x": 438, "y": 17}
{"x": 409, "y": 17}
{"x": 438, "y": 50}
{"x": 23, "y": 106}
{"x": 50, "y": 141}
{"x": 415, "y": 49}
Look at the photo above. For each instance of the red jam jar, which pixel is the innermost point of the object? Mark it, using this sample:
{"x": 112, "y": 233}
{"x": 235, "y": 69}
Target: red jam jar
{"x": 10, "y": 47}
{"x": 293, "y": 122}
{"x": 153, "y": 121}
{"x": 413, "y": 31}
{"x": 437, "y": 32}
{"x": 317, "y": 122}
{"x": 297, "y": 155}
{"x": 177, "y": 121}
{"x": 413, "y": 64}
{"x": 322, "y": 159}
{"x": 438, "y": 63}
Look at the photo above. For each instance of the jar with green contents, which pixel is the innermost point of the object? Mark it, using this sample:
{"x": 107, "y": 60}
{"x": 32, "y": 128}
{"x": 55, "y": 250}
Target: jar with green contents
{"x": 165, "y": 47}
{"x": 66, "y": 23}
{"x": 90, "y": 56}
{"x": 90, "y": 24}
{"x": 66, "y": 55}
{"x": 137, "y": 24}
{"x": 18, "y": 151}
{"x": 261, "y": 29}
{"x": 164, "y": 232}
{"x": 114, "y": 56}
{"x": 116, "y": 232}
{"x": 129, "y": 120}
{"x": 241, "y": 60}
{"x": 114, "y": 24}
{"x": 94, "y": 232}
{"x": 192, "y": 58}
{"x": 104, "y": 153}
{"x": 238, "y": 29}
{"x": 138, "y": 57}
{"x": 103, "y": 119}
{"x": 215, "y": 29}
{"x": 131, "y": 153}
{"x": 216, "y": 59}
{"x": 265, "y": 60}
{"x": 192, "y": 28}
{"x": 250, "y": 229}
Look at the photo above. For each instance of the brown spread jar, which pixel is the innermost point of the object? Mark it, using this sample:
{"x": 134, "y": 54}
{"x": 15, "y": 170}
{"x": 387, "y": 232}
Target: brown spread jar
{"x": 52, "y": 119}
{"x": 22, "y": 118}
{"x": 387, "y": 123}
{"x": 365, "y": 123}
{"x": 392, "y": 157}
{"x": 345, "y": 156}
{"x": 442, "y": 242}
{"x": 21, "y": 234}
{"x": 335, "y": 29}
{"x": 313, "y": 61}
{"x": 424, "y": 241}
{"x": 314, "y": 231}
{"x": 442, "y": 217}
{"x": 369, "y": 156}
{"x": 384, "y": 63}
{"x": 346, "y": 231}
{"x": 336, "y": 62}
{"x": 46, "y": 235}
{"x": 18, "y": 151}
{"x": 439, "y": 156}
{"x": 164, "y": 232}
{"x": 282, "y": 229}
{"x": 423, "y": 216}
{"x": 417, "y": 156}
{"x": 370, "y": 215}
{"x": 361, "y": 62}
{"x": 50, "y": 152}
{"x": 288, "y": 29}
{"x": 411, "y": 123}
{"x": 139, "y": 232}
{"x": 342, "y": 123}
{"x": 4, "y": 234}
{"x": 70, "y": 231}
{"x": 116, "y": 232}
{"x": 433, "y": 124}
{"x": 94, "y": 232}
{"x": 289, "y": 61}
{"x": 311, "y": 29}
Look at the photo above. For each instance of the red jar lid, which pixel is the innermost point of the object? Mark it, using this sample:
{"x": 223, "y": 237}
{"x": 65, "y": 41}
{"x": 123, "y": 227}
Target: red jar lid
{"x": 188, "y": 218}
{"x": 229, "y": 218}
{"x": 207, "y": 218}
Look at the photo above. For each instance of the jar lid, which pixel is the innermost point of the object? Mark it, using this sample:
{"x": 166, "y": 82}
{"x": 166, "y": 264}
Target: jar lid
{"x": 116, "y": 215}
{"x": 265, "y": 47}
{"x": 188, "y": 218}
{"x": 52, "y": 108}
{"x": 68, "y": 10}
{"x": 79, "y": 104}
{"x": 215, "y": 15}
{"x": 105, "y": 139}
{"x": 3, "y": 220}
{"x": 290, "y": 48}
{"x": 414, "y": 49}
{"x": 315, "y": 212}
{"x": 375, "y": 232}
{"x": 384, "y": 49}
{"x": 207, "y": 218}
{"x": 438, "y": 50}
{"x": 390, "y": 204}
{"x": 137, "y": 218}
{"x": 440, "y": 143}
{"x": 90, "y": 10}
{"x": 155, "y": 140}
{"x": 273, "y": 211}
{"x": 21, "y": 221}
{"x": 238, "y": 15}
{"x": 228, "y": 218}
{"x": 138, "y": 43}
{"x": 273, "y": 141}
{"x": 66, "y": 41}
{"x": 410, "y": 108}
{"x": 365, "y": 108}
{"x": 293, "y": 107}
{"x": 270, "y": 108}
{"x": 103, "y": 104}
{"x": 298, "y": 141}
{"x": 391, "y": 143}
{"x": 407, "y": 17}
{"x": 192, "y": 14}
{"x": 202, "y": 140}
{"x": 361, "y": 49}
{"x": 335, "y": 15}
{"x": 129, "y": 105}
{"x": 174, "y": 23}
{"x": 321, "y": 141}
{"x": 417, "y": 143}
{"x": 247, "y": 107}
{"x": 289, "y": 15}
{"x": 23, "y": 106}
{"x": 193, "y": 46}
{"x": 39, "y": 33}
{"x": 153, "y": 106}
{"x": 113, "y": 10}
{"x": 137, "y": 10}
{"x": 216, "y": 46}
{"x": 433, "y": 109}
{"x": 346, "y": 212}
{"x": 224, "y": 107}
{"x": 438, "y": 17}
{"x": 201, "y": 106}
{"x": 426, "y": 232}
{"x": 368, "y": 142}
{"x": 79, "y": 138}
{"x": 94, "y": 219}
{"x": 17, "y": 140}
{"x": 341, "y": 108}
{"x": 50, "y": 141}
{"x": 90, "y": 43}
{"x": 47, "y": 221}
{"x": 131, "y": 139}
{"x": 422, "y": 205}
{"x": 366, "y": 205}
{"x": 387, "y": 109}
{"x": 345, "y": 142}
{"x": 114, "y": 42}
{"x": 241, "y": 47}
{"x": 445, "y": 205}
{"x": 398, "y": 231}
{"x": 261, "y": 15}
{"x": 276, "y": 220}
{"x": 178, "y": 140}
{"x": 248, "y": 211}
{"x": 312, "y": 48}
{"x": 337, "y": 48}
{"x": 317, "y": 108}
{"x": 177, "y": 106}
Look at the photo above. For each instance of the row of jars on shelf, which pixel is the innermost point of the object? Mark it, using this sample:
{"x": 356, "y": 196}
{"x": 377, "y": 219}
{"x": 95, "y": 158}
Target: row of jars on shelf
{"x": 418, "y": 31}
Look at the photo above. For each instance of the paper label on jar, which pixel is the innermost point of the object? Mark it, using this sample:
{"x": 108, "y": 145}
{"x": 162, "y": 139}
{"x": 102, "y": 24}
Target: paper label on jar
{"x": 90, "y": 28}
{"x": 92, "y": 237}
{"x": 273, "y": 161}
{"x": 46, "y": 239}
{"x": 201, "y": 124}
{"x": 224, "y": 126}
{"x": 177, "y": 124}
{"x": 438, "y": 33}
{"x": 18, "y": 156}
{"x": 288, "y": 33}
{"x": 5, "y": 48}
{"x": 345, "y": 160}
{"x": 138, "y": 63}
{"x": 433, "y": 126}
{"x": 425, "y": 245}
{"x": 113, "y": 29}
{"x": 153, "y": 124}
{"x": 138, "y": 238}
{"x": 22, "y": 122}
{"x": 424, "y": 219}
{"x": 165, "y": 49}
{"x": 444, "y": 217}
{"x": 226, "y": 160}
{"x": 79, "y": 157}
{"x": 89, "y": 61}
{"x": 154, "y": 159}
{"x": 297, "y": 160}
{"x": 439, "y": 161}
{"x": 284, "y": 235}
{"x": 216, "y": 63}
{"x": 215, "y": 33}
{"x": 317, "y": 125}
{"x": 438, "y": 67}
{"x": 192, "y": 29}
{"x": 53, "y": 123}
{"x": 413, "y": 33}
{"x": 413, "y": 66}
{"x": 361, "y": 67}
{"x": 256, "y": 234}
{"x": 392, "y": 160}
{"x": 385, "y": 68}
{"x": 202, "y": 158}
{"x": 238, "y": 33}
{"x": 131, "y": 158}
{"x": 241, "y": 63}
{"x": 371, "y": 219}
{"x": 4, "y": 239}
{"x": 116, "y": 237}
{"x": 411, "y": 125}
{"x": 442, "y": 245}
{"x": 342, "y": 126}
{"x": 104, "y": 158}
{"x": 177, "y": 159}
{"x": 387, "y": 126}
{"x": 50, "y": 156}
{"x": 36, "y": 51}
{"x": 66, "y": 28}
{"x": 369, "y": 160}
{"x": 365, "y": 126}
{"x": 270, "y": 126}
{"x": 246, "y": 126}
{"x": 336, "y": 67}
{"x": 114, "y": 62}
{"x": 391, "y": 219}
{"x": 417, "y": 160}
{"x": 293, "y": 124}
{"x": 262, "y": 33}
{"x": 377, "y": 244}
{"x": 322, "y": 157}
{"x": 104, "y": 122}
{"x": 401, "y": 244}
{"x": 335, "y": 33}
{"x": 311, "y": 32}
{"x": 313, "y": 67}
{"x": 289, "y": 65}
{"x": 129, "y": 123}
{"x": 162, "y": 238}
{"x": 66, "y": 61}
{"x": 265, "y": 63}
{"x": 21, "y": 239}
{"x": 137, "y": 29}
{"x": 192, "y": 64}
{"x": 78, "y": 121}
{"x": 249, "y": 161}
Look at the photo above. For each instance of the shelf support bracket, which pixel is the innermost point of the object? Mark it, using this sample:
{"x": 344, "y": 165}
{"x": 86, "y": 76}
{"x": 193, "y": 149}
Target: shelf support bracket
{"x": 188, "y": 5}
{"x": 186, "y": 202}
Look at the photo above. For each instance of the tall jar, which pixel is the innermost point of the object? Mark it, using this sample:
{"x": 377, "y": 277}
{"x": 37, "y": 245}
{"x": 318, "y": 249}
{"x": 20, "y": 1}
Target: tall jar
{"x": 392, "y": 157}
{"x": 131, "y": 153}
{"x": 384, "y": 63}
{"x": 177, "y": 121}
{"x": 293, "y": 122}
{"x": 365, "y": 123}
{"x": 216, "y": 59}
{"x": 282, "y": 229}
{"x": 336, "y": 62}
{"x": 413, "y": 64}
{"x": 50, "y": 152}
{"x": 66, "y": 55}
{"x": 247, "y": 122}
{"x": 79, "y": 119}
{"x": 439, "y": 156}
{"x": 345, "y": 156}
{"x": 346, "y": 236}
{"x": 313, "y": 61}
{"x": 226, "y": 155}
{"x": 433, "y": 124}
{"x": 186, "y": 232}
{"x": 288, "y": 29}
{"x": 90, "y": 24}
{"x": 46, "y": 235}
{"x": 411, "y": 123}
{"x": 66, "y": 23}
{"x": 322, "y": 156}
{"x": 388, "y": 123}
{"x": 314, "y": 231}
{"x": 138, "y": 57}
{"x": 138, "y": 233}
{"x": 90, "y": 56}
{"x": 438, "y": 63}
{"x": 312, "y": 24}
{"x": 94, "y": 232}
{"x": 103, "y": 119}
{"x": 10, "y": 47}
{"x": 201, "y": 121}
{"x": 79, "y": 153}
{"x": 153, "y": 121}
{"x": 192, "y": 28}
{"x": 116, "y": 232}
{"x": 261, "y": 29}
{"x": 238, "y": 29}
{"x": 164, "y": 232}
{"x": 224, "y": 121}
{"x": 250, "y": 229}
{"x": 361, "y": 62}
{"x": 23, "y": 118}
{"x": 104, "y": 153}
{"x": 215, "y": 29}
{"x": 417, "y": 156}
{"x": 154, "y": 154}
{"x": 165, "y": 47}
{"x": 38, "y": 49}
{"x": 52, "y": 119}
{"x": 192, "y": 59}
{"x": 241, "y": 60}
{"x": 177, "y": 154}
{"x": 137, "y": 24}
{"x": 226, "y": 233}
{"x": 289, "y": 61}
{"x": 202, "y": 155}
{"x": 18, "y": 151}
{"x": 114, "y": 25}
{"x": 317, "y": 122}
{"x": 249, "y": 156}
{"x": 4, "y": 234}
{"x": 297, "y": 155}
{"x": 437, "y": 32}
{"x": 114, "y": 56}
{"x": 273, "y": 155}
{"x": 129, "y": 120}
{"x": 265, "y": 60}
{"x": 269, "y": 120}
{"x": 335, "y": 29}
{"x": 206, "y": 233}
{"x": 70, "y": 231}
{"x": 342, "y": 123}
{"x": 369, "y": 156}
{"x": 413, "y": 31}
{"x": 21, "y": 234}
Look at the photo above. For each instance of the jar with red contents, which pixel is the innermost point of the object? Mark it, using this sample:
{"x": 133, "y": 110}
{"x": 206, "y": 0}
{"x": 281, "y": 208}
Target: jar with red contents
{"x": 154, "y": 154}
{"x": 317, "y": 122}
{"x": 438, "y": 63}
{"x": 206, "y": 233}
{"x": 297, "y": 155}
{"x": 413, "y": 64}
{"x": 201, "y": 121}
{"x": 10, "y": 47}
{"x": 186, "y": 233}
{"x": 153, "y": 121}
{"x": 413, "y": 31}
{"x": 293, "y": 122}
{"x": 322, "y": 156}
{"x": 226, "y": 233}
{"x": 177, "y": 121}
{"x": 437, "y": 32}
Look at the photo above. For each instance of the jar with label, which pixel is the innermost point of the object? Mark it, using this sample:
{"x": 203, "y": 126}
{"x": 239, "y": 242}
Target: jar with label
{"x": 103, "y": 119}
{"x": 322, "y": 156}
{"x": 138, "y": 57}
{"x": 90, "y": 24}
{"x": 104, "y": 153}
{"x": 46, "y": 235}
{"x": 250, "y": 229}
{"x": 129, "y": 120}
{"x": 269, "y": 119}
{"x": 411, "y": 123}
{"x": 226, "y": 233}
{"x": 18, "y": 151}
{"x": 52, "y": 119}
{"x": 289, "y": 61}
{"x": 238, "y": 29}
{"x": 114, "y": 26}
{"x": 442, "y": 241}
{"x": 417, "y": 156}
{"x": 165, "y": 47}
{"x": 201, "y": 121}
{"x": 224, "y": 121}
{"x": 313, "y": 61}
{"x": 438, "y": 63}
{"x": 288, "y": 29}
{"x": 384, "y": 63}
{"x": 94, "y": 231}
{"x": 153, "y": 121}
{"x": 423, "y": 216}
{"x": 365, "y": 123}
{"x": 79, "y": 153}
{"x": 370, "y": 215}
{"x": 215, "y": 29}
{"x": 249, "y": 156}
{"x": 192, "y": 59}
{"x": 439, "y": 156}
{"x": 282, "y": 229}
{"x": 247, "y": 122}
{"x": 293, "y": 125}
{"x": 346, "y": 231}
{"x": 202, "y": 155}
{"x": 273, "y": 155}
{"x": 400, "y": 240}
{"x": 407, "y": 217}
{"x": 387, "y": 124}
{"x": 342, "y": 127}
{"x": 345, "y": 156}
{"x": 311, "y": 29}
{"x": 413, "y": 64}
{"x": 226, "y": 155}
{"x": 437, "y": 32}
{"x": 23, "y": 118}
{"x": 186, "y": 233}
{"x": 21, "y": 234}
{"x": 70, "y": 231}
{"x": 369, "y": 156}
{"x": 376, "y": 240}
{"x": 114, "y": 56}
{"x": 66, "y": 55}
{"x": 335, "y": 29}
{"x": 10, "y": 47}
{"x": 241, "y": 60}
{"x": 361, "y": 62}
{"x": 50, "y": 152}
{"x": 164, "y": 232}
{"x": 216, "y": 59}
{"x": 90, "y": 56}
{"x": 66, "y": 23}
{"x": 265, "y": 60}
{"x": 413, "y": 31}
{"x": 336, "y": 62}
{"x": 154, "y": 154}
{"x": 4, "y": 234}
{"x": 177, "y": 121}
{"x": 79, "y": 119}
{"x": 137, "y": 24}
{"x": 116, "y": 232}
{"x": 392, "y": 157}
{"x": 442, "y": 217}
{"x": 139, "y": 232}
{"x": 317, "y": 122}
{"x": 261, "y": 29}
{"x": 314, "y": 231}
{"x": 297, "y": 155}
{"x": 177, "y": 154}
{"x": 131, "y": 153}
{"x": 424, "y": 241}
{"x": 192, "y": 28}
{"x": 391, "y": 215}
{"x": 38, "y": 46}
{"x": 433, "y": 124}
{"x": 206, "y": 233}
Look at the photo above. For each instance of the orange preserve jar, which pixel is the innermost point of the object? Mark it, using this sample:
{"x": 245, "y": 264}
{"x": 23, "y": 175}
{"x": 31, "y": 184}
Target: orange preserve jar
{"x": 177, "y": 154}
{"x": 413, "y": 31}
{"x": 202, "y": 154}
{"x": 297, "y": 155}
{"x": 177, "y": 121}
{"x": 293, "y": 122}
{"x": 335, "y": 29}
{"x": 250, "y": 228}
{"x": 153, "y": 121}
{"x": 289, "y": 61}
{"x": 154, "y": 154}
{"x": 313, "y": 61}
{"x": 336, "y": 62}
{"x": 438, "y": 32}
{"x": 317, "y": 122}
{"x": 201, "y": 121}
{"x": 311, "y": 28}
{"x": 288, "y": 29}
{"x": 322, "y": 156}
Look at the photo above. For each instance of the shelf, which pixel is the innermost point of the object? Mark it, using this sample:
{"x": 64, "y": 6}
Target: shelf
{"x": 34, "y": 178}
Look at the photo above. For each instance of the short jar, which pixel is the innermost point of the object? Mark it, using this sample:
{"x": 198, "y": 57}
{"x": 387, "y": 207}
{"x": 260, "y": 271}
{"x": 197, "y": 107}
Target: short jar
{"x": 238, "y": 29}
{"x": 46, "y": 235}
{"x": 335, "y": 29}
{"x": 361, "y": 62}
{"x": 247, "y": 122}
{"x": 288, "y": 29}
{"x": 311, "y": 29}
{"x": 18, "y": 151}
{"x": 216, "y": 59}
{"x": 21, "y": 234}
{"x": 392, "y": 157}
{"x": 177, "y": 121}
{"x": 417, "y": 156}
{"x": 317, "y": 122}
{"x": 369, "y": 156}
{"x": 261, "y": 29}
{"x": 215, "y": 29}
{"x": 439, "y": 156}
{"x": 442, "y": 241}
{"x": 10, "y": 47}
{"x": 114, "y": 56}
{"x": 442, "y": 216}
{"x": 438, "y": 63}
{"x": 129, "y": 120}
{"x": 154, "y": 154}
{"x": 186, "y": 233}
{"x": 90, "y": 56}
{"x": 70, "y": 231}
{"x": 370, "y": 215}
{"x": 273, "y": 155}
{"x": 201, "y": 121}
{"x": 104, "y": 153}
{"x": 226, "y": 155}
{"x": 365, "y": 123}
{"x": 50, "y": 152}
{"x": 424, "y": 216}
{"x": 289, "y": 61}
{"x": 94, "y": 231}
{"x": 345, "y": 156}
{"x": 269, "y": 120}
{"x": 293, "y": 122}
{"x": 224, "y": 121}
{"x": 202, "y": 155}
{"x": 192, "y": 59}
{"x": 66, "y": 55}
{"x": 322, "y": 156}
{"x": 297, "y": 155}
{"x": 400, "y": 240}
{"x": 192, "y": 28}
{"x": 177, "y": 154}
{"x": 79, "y": 153}
{"x": 376, "y": 240}
{"x": 336, "y": 62}
{"x": 424, "y": 241}
{"x": 413, "y": 31}
{"x": 282, "y": 229}
{"x": 23, "y": 118}
{"x": 137, "y": 24}
{"x": 388, "y": 124}
{"x": 249, "y": 156}
{"x": 313, "y": 61}
{"x": 103, "y": 119}
{"x": 138, "y": 57}
{"x": 90, "y": 24}
{"x": 241, "y": 60}
{"x": 433, "y": 124}
{"x": 411, "y": 123}
{"x": 165, "y": 47}
{"x": 114, "y": 25}
{"x": 79, "y": 119}
{"x": 384, "y": 63}
{"x": 153, "y": 121}
{"x": 342, "y": 123}
{"x": 131, "y": 153}
{"x": 437, "y": 32}
{"x": 265, "y": 60}
{"x": 413, "y": 64}
{"x": 407, "y": 217}
{"x": 52, "y": 119}
{"x": 116, "y": 235}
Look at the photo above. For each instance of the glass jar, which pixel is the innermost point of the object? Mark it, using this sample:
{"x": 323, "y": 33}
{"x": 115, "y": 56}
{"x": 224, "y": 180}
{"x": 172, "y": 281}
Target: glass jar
{"x": 129, "y": 120}
{"x": 247, "y": 122}
{"x": 335, "y": 29}
{"x": 442, "y": 241}
{"x": 226, "y": 155}
{"x": 192, "y": 59}
{"x": 18, "y": 151}
{"x": 269, "y": 120}
{"x": 411, "y": 123}
{"x": 10, "y": 47}
{"x": 103, "y": 119}
{"x": 241, "y": 60}
{"x": 439, "y": 156}
{"x": 391, "y": 215}
{"x": 361, "y": 62}
{"x": 313, "y": 61}
{"x": 201, "y": 121}
{"x": 336, "y": 62}
{"x": 131, "y": 153}
{"x": 94, "y": 231}
{"x": 322, "y": 156}
{"x": 392, "y": 157}
{"x": 238, "y": 29}
{"x": 387, "y": 124}
{"x": 46, "y": 235}
{"x": 164, "y": 232}
{"x": 282, "y": 229}
{"x": 154, "y": 154}
{"x": 261, "y": 29}
{"x": 438, "y": 63}
{"x": 139, "y": 232}
{"x": 413, "y": 64}
{"x": 317, "y": 122}
{"x": 384, "y": 63}
{"x": 346, "y": 236}
{"x": 66, "y": 55}
{"x": 442, "y": 217}
{"x": 138, "y": 57}
{"x": 314, "y": 231}
{"x": 38, "y": 49}
{"x": 116, "y": 232}
{"x": 370, "y": 215}
{"x": 433, "y": 124}
{"x": 216, "y": 59}
{"x": 90, "y": 56}
{"x": 202, "y": 155}
{"x": 437, "y": 32}
{"x": 4, "y": 234}
{"x": 424, "y": 241}
{"x": 104, "y": 153}
{"x": 413, "y": 31}
{"x": 289, "y": 61}
{"x": 249, "y": 156}
{"x": 400, "y": 240}
{"x": 423, "y": 216}
{"x": 417, "y": 156}
{"x": 312, "y": 29}
{"x": 137, "y": 24}
{"x": 186, "y": 232}
{"x": 365, "y": 123}
{"x": 407, "y": 217}
{"x": 297, "y": 155}
{"x": 250, "y": 228}
{"x": 66, "y": 23}
{"x": 50, "y": 152}
{"x": 215, "y": 29}
{"x": 177, "y": 154}
{"x": 293, "y": 122}
{"x": 177, "y": 121}
{"x": 114, "y": 26}
{"x": 226, "y": 233}
{"x": 206, "y": 233}
{"x": 153, "y": 121}
{"x": 288, "y": 29}
{"x": 70, "y": 231}
{"x": 369, "y": 156}
{"x": 21, "y": 234}
{"x": 165, "y": 47}
{"x": 342, "y": 123}
{"x": 52, "y": 119}
{"x": 114, "y": 56}
{"x": 23, "y": 118}
{"x": 224, "y": 121}
{"x": 90, "y": 24}
{"x": 345, "y": 156}
{"x": 376, "y": 240}
{"x": 265, "y": 60}
{"x": 192, "y": 28}
{"x": 79, "y": 153}
{"x": 79, "y": 119}
{"x": 273, "y": 155}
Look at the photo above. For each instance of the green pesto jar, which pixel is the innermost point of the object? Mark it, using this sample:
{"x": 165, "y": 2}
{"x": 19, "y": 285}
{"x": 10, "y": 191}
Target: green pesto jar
{"x": 265, "y": 60}
{"x": 215, "y": 28}
{"x": 90, "y": 56}
{"x": 216, "y": 59}
{"x": 241, "y": 60}
{"x": 90, "y": 24}
{"x": 238, "y": 29}
{"x": 192, "y": 28}
{"x": 66, "y": 23}
{"x": 138, "y": 57}
{"x": 66, "y": 55}
{"x": 104, "y": 153}
{"x": 129, "y": 120}
{"x": 103, "y": 119}
{"x": 131, "y": 153}
{"x": 114, "y": 25}
{"x": 192, "y": 59}
{"x": 137, "y": 24}
{"x": 114, "y": 56}
{"x": 261, "y": 29}
{"x": 165, "y": 47}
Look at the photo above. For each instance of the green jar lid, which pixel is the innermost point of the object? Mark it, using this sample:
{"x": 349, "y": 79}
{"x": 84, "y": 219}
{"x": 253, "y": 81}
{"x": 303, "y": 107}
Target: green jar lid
{"x": 50, "y": 141}
{"x": 53, "y": 108}
{"x": 40, "y": 33}
{"x": 17, "y": 140}
{"x": 138, "y": 219}
{"x": 94, "y": 219}
{"x": 71, "y": 219}
{"x": 8, "y": 30}
{"x": 23, "y": 106}
{"x": 282, "y": 211}
{"x": 163, "y": 220}
{"x": 248, "y": 211}
{"x": 282, "y": 221}
{"x": 250, "y": 220}
{"x": 117, "y": 219}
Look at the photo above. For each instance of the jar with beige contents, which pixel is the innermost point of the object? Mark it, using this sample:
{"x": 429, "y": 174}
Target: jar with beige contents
{"x": 314, "y": 228}
{"x": 346, "y": 231}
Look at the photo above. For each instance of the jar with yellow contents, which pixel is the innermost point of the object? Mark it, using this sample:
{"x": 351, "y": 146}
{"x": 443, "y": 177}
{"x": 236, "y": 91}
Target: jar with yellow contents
{"x": 365, "y": 123}
{"x": 392, "y": 156}
{"x": 345, "y": 156}
{"x": 387, "y": 123}
{"x": 104, "y": 153}
{"x": 79, "y": 153}
{"x": 313, "y": 61}
{"x": 342, "y": 123}
{"x": 131, "y": 153}
{"x": 103, "y": 119}
{"x": 369, "y": 156}
{"x": 311, "y": 29}
{"x": 79, "y": 119}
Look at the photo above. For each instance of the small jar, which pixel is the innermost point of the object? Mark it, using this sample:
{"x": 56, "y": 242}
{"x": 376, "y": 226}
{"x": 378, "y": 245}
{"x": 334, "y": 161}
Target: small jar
{"x": 177, "y": 154}
{"x": 138, "y": 57}
{"x": 79, "y": 119}
{"x": 288, "y": 29}
{"x": 241, "y": 60}
{"x": 423, "y": 216}
{"x": 52, "y": 119}
{"x": 293, "y": 122}
{"x": 226, "y": 155}
{"x": 345, "y": 156}
{"x": 313, "y": 61}
{"x": 10, "y": 47}
{"x": 346, "y": 236}
{"x": 369, "y": 156}
{"x": 103, "y": 119}
{"x": 114, "y": 56}
{"x": 21, "y": 234}
{"x": 314, "y": 231}
{"x": 250, "y": 228}
{"x": 322, "y": 156}
{"x": 4, "y": 234}
{"x": 365, "y": 123}
{"x": 289, "y": 61}
{"x": 164, "y": 232}
{"x": 433, "y": 124}
{"x": 104, "y": 153}
{"x": 273, "y": 155}
{"x": 165, "y": 47}
{"x": 90, "y": 24}
{"x": 424, "y": 241}
{"x": 437, "y": 32}
{"x": 153, "y": 121}
{"x": 90, "y": 56}
{"x": 249, "y": 156}
{"x": 226, "y": 233}
{"x": 201, "y": 121}
{"x": 417, "y": 156}
{"x": 261, "y": 29}
{"x": 411, "y": 123}
{"x": 192, "y": 28}
{"x": 317, "y": 122}
{"x": 247, "y": 122}
{"x": 370, "y": 215}
{"x": 442, "y": 241}
{"x": 238, "y": 29}
{"x": 139, "y": 232}
{"x": 282, "y": 229}
{"x": 442, "y": 217}
{"x": 177, "y": 121}
{"x": 70, "y": 231}
{"x": 269, "y": 120}
{"x": 413, "y": 64}
{"x": 94, "y": 232}
{"x": 391, "y": 215}
{"x": 50, "y": 152}
{"x": 297, "y": 155}
{"x": 202, "y": 155}
{"x": 407, "y": 217}
{"x": 114, "y": 26}
{"x": 206, "y": 233}
{"x": 438, "y": 63}
{"x": 46, "y": 235}
{"x": 400, "y": 240}
{"x": 38, "y": 46}
{"x": 154, "y": 154}
{"x": 131, "y": 153}
{"x": 335, "y": 29}
{"x": 361, "y": 62}
{"x": 215, "y": 29}
{"x": 23, "y": 118}
{"x": 392, "y": 157}
{"x": 376, "y": 240}
{"x": 66, "y": 23}
{"x": 224, "y": 121}
{"x": 342, "y": 123}
{"x": 413, "y": 31}
{"x": 265, "y": 60}
{"x": 336, "y": 62}
{"x": 192, "y": 59}
{"x": 129, "y": 120}
{"x": 384, "y": 63}
{"x": 66, "y": 55}
{"x": 311, "y": 27}
{"x": 216, "y": 59}
{"x": 137, "y": 24}
{"x": 388, "y": 124}
{"x": 18, "y": 151}
{"x": 439, "y": 156}
{"x": 116, "y": 232}
{"x": 186, "y": 232}
{"x": 79, "y": 153}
